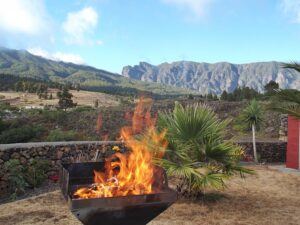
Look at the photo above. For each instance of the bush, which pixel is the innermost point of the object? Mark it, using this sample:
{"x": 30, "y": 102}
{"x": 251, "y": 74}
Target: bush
{"x": 16, "y": 177}
{"x": 22, "y": 134}
{"x": 21, "y": 177}
{"x": 2, "y": 125}
{"x": 59, "y": 135}
{"x": 83, "y": 109}
{"x": 54, "y": 116}
{"x": 36, "y": 172}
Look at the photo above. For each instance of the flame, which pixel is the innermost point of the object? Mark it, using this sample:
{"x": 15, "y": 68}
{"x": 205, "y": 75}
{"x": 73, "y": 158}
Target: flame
{"x": 131, "y": 173}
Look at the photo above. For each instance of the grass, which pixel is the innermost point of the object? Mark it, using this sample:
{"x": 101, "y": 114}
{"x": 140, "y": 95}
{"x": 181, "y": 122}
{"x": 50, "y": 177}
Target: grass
{"x": 83, "y": 98}
{"x": 270, "y": 197}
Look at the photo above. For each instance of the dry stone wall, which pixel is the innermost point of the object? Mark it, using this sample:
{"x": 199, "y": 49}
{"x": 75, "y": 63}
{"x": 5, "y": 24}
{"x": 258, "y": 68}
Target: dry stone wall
{"x": 66, "y": 152}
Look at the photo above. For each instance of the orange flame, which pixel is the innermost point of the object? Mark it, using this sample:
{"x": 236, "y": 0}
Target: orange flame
{"x": 132, "y": 173}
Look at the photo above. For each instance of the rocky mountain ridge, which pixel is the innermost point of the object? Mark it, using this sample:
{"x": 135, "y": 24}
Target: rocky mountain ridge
{"x": 215, "y": 78}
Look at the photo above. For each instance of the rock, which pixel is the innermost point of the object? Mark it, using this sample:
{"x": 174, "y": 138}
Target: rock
{"x": 15, "y": 155}
{"x": 215, "y": 78}
{"x": 59, "y": 154}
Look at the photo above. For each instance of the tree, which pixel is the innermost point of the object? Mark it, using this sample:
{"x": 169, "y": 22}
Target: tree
{"x": 96, "y": 103}
{"x": 65, "y": 99}
{"x": 252, "y": 117}
{"x": 224, "y": 96}
{"x": 271, "y": 87}
{"x": 197, "y": 152}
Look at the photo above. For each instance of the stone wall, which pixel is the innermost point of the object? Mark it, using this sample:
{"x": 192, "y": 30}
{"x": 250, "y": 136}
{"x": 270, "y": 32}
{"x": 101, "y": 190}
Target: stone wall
{"x": 267, "y": 151}
{"x": 66, "y": 152}
{"x": 55, "y": 152}
{"x": 283, "y": 129}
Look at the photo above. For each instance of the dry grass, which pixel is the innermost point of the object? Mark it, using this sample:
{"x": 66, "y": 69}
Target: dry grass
{"x": 270, "y": 197}
{"x": 84, "y": 98}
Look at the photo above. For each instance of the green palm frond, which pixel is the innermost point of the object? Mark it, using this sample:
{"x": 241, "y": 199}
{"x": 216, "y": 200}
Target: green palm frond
{"x": 287, "y": 102}
{"x": 292, "y": 65}
{"x": 252, "y": 115}
{"x": 197, "y": 151}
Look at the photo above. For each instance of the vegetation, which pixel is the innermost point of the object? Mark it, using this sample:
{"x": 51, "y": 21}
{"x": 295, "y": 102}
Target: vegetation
{"x": 292, "y": 65}
{"x": 16, "y": 177}
{"x": 24, "y": 133}
{"x": 239, "y": 94}
{"x": 252, "y": 117}
{"x": 21, "y": 177}
{"x": 65, "y": 99}
{"x": 59, "y": 135}
{"x": 271, "y": 87}
{"x": 198, "y": 153}
{"x": 287, "y": 102}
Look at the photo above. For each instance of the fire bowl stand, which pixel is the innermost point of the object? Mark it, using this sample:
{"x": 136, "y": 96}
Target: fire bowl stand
{"x": 125, "y": 210}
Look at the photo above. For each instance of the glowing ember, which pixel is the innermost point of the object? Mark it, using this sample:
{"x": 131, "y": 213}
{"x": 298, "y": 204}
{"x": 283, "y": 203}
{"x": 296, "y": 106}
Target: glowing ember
{"x": 132, "y": 173}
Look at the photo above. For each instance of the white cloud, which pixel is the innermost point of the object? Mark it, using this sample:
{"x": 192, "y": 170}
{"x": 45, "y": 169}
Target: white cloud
{"x": 80, "y": 25}
{"x": 292, "y": 9}
{"x": 198, "y": 8}
{"x": 19, "y": 16}
{"x": 57, "y": 56}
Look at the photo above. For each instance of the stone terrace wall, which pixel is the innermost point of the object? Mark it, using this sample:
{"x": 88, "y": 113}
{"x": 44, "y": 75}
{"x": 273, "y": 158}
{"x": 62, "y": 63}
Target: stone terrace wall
{"x": 268, "y": 151}
{"x": 65, "y": 152}
{"x": 55, "y": 152}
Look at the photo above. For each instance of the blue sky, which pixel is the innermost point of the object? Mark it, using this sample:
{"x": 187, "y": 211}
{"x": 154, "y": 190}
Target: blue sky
{"x": 110, "y": 34}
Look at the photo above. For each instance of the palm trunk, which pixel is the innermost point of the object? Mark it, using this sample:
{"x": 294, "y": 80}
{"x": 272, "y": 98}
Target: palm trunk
{"x": 254, "y": 143}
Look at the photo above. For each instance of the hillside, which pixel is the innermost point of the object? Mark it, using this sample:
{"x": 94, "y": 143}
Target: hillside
{"x": 22, "y": 63}
{"x": 214, "y": 78}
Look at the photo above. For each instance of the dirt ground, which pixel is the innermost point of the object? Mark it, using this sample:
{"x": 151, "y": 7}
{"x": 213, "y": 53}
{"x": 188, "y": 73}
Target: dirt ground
{"x": 85, "y": 98}
{"x": 270, "y": 198}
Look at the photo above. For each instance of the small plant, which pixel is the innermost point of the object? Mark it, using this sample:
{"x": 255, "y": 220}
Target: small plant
{"x": 21, "y": 177}
{"x": 16, "y": 177}
{"x": 35, "y": 173}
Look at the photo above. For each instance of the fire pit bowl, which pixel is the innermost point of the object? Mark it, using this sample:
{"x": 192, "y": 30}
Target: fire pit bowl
{"x": 123, "y": 210}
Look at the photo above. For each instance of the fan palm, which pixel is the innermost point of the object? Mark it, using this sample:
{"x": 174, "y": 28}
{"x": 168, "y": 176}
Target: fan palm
{"x": 197, "y": 152}
{"x": 252, "y": 117}
{"x": 287, "y": 101}
{"x": 292, "y": 65}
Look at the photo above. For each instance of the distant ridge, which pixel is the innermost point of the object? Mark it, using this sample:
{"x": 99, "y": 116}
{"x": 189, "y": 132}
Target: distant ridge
{"x": 214, "y": 78}
{"x": 24, "y": 64}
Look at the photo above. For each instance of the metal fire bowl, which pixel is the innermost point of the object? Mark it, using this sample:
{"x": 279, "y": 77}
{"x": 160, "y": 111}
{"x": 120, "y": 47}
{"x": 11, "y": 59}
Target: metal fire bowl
{"x": 125, "y": 210}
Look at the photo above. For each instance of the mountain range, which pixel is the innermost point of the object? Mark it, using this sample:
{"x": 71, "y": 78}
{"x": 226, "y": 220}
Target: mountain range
{"x": 24, "y": 64}
{"x": 215, "y": 78}
{"x": 182, "y": 77}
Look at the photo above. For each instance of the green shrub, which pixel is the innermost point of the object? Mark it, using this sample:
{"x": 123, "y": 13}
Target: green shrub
{"x": 56, "y": 116}
{"x": 21, "y": 177}
{"x": 16, "y": 177}
{"x": 2, "y": 125}
{"x": 36, "y": 172}
{"x": 21, "y": 134}
{"x": 83, "y": 109}
{"x": 59, "y": 135}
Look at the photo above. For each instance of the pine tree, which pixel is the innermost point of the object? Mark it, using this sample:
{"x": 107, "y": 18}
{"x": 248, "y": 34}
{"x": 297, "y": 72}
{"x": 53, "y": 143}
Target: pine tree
{"x": 65, "y": 99}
